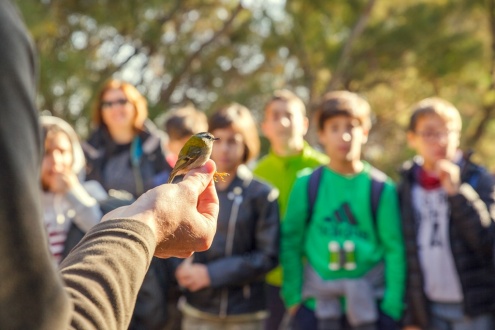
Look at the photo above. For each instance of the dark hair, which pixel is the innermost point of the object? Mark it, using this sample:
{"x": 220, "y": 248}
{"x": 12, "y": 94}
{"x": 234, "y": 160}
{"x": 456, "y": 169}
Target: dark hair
{"x": 240, "y": 119}
{"x": 184, "y": 122}
{"x": 343, "y": 103}
{"x": 435, "y": 106}
{"x": 133, "y": 96}
{"x": 287, "y": 96}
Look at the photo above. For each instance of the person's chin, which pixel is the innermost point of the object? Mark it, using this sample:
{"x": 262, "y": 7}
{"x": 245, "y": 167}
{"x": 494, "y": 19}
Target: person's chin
{"x": 223, "y": 169}
{"x": 439, "y": 156}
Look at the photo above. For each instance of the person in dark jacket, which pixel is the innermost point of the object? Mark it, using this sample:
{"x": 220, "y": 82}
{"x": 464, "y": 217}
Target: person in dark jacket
{"x": 224, "y": 286}
{"x": 125, "y": 153}
{"x": 447, "y": 206}
{"x": 97, "y": 284}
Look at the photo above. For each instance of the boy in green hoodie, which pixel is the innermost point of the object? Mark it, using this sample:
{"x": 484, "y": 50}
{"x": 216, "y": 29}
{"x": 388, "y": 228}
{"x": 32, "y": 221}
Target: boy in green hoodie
{"x": 341, "y": 253}
{"x": 284, "y": 124}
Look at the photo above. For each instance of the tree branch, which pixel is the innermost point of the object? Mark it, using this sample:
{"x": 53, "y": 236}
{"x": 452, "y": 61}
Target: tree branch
{"x": 345, "y": 56}
{"x": 168, "y": 90}
{"x": 164, "y": 19}
{"x": 488, "y": 109}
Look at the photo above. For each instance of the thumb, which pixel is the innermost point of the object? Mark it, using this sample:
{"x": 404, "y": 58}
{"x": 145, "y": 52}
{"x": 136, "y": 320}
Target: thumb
{"x": 199, "y": 178}
{"x": 188, "y": 261}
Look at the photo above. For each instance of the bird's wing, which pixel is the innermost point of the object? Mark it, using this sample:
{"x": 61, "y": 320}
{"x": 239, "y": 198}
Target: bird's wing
{"x": 188, "y": 156}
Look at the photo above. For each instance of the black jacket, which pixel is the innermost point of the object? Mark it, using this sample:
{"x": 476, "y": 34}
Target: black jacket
{"x": 244, "y": 249}
{"x": 130, "y": 168}
{"x": 135, "y": 170}
{"x": 471, "y": 240}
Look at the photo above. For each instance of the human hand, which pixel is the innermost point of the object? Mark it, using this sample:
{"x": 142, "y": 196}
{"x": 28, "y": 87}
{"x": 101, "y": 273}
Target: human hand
{"x": 293, "y": 310}
{"x": 62, "y": 182}
{"x": 411, "y": 327}
{"x": 450, "y": 176}
{"x": 192, "y": 276}
{"x": 182, "y": 216}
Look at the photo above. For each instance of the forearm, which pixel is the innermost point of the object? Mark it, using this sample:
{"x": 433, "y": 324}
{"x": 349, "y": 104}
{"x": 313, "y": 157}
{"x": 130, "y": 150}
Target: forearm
{"x": 104, "y": 272}
{"x": 293, "y": 231}
{"x": 471, "y": 215}
{"x": 395, "y": 273}
{"x": 291, "y": 254}
{"x": 87, "y": 209}
{"x": 32, "y": 294}
{"x": 394, "y": 254}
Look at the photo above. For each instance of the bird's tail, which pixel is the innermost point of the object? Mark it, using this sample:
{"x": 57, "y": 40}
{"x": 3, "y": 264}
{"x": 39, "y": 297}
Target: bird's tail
{"x": 171, "y": 177}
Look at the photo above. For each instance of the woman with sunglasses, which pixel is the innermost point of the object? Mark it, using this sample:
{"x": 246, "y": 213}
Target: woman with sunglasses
{"x": 125, "y": 153}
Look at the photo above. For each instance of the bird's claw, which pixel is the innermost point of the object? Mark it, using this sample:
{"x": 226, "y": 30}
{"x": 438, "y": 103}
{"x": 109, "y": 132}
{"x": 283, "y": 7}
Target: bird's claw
{"x": 218, "y": 175}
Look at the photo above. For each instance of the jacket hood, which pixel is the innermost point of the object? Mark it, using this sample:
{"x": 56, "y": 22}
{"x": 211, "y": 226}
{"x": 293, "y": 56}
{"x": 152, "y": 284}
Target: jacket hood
{"x": 79, "y": 164}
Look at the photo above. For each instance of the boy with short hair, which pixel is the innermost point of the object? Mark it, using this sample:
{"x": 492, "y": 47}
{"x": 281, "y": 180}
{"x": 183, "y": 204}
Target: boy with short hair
{"x": 341, "y": 252}
{"x": 179, "y": 125}
{"x": 447, "y": 205}
{"x": 285, "y": 124}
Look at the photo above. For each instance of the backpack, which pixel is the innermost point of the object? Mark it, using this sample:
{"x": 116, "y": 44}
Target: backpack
{"x": 378, "y": 179}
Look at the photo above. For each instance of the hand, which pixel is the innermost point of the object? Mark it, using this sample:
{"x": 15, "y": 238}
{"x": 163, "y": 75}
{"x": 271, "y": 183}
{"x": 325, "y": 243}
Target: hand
{"x": 182, "y": 216}
{"x": 411, "y": 327}
{"x": 293, "y": 309}
{"x": 449, "y": 175}
{"x": 192, "y": 276}
{"x": 62, "y": 182}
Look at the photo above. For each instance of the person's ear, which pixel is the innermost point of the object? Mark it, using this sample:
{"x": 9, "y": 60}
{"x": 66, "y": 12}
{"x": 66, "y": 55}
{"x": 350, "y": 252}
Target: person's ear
{"x": 366, "y": 133}
{"x": 321, "y": 137}
{"x": 305, "y": 125}
{"x": 411, "y": 139}
{"x": 264, "y": 128}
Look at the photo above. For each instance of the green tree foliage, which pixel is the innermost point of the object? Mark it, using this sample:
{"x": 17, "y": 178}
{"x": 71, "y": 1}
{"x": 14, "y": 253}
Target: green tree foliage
{"x": 212, "y": 52}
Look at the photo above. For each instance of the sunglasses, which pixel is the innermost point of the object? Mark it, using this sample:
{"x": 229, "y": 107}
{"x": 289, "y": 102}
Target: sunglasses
{"x": 109, "y": 104}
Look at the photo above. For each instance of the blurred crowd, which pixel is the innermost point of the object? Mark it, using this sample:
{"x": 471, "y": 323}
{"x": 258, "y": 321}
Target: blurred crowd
{"x": 307, "y": 237}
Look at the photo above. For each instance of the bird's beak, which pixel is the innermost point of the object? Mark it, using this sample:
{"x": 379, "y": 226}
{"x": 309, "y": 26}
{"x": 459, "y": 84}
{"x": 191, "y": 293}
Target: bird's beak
{"x": 214, "y": 139}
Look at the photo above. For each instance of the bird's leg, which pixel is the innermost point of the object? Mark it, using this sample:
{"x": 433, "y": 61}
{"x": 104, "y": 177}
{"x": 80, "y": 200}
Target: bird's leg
{"x": 220, "y": 175}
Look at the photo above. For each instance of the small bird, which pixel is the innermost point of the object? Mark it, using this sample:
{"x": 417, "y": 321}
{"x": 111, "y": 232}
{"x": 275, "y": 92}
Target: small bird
{"x": 195, "y": 152}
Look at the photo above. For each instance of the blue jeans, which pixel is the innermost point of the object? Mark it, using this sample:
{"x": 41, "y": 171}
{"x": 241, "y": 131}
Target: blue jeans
{"x": 305, "y": 319}
{"x": 451, "y": 317}
{"x": 275, "y": 306}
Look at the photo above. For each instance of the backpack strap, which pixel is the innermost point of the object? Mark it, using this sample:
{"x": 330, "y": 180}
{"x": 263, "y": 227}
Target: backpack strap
{"x": 378, "y": 179}
{"x": 136, "y": 154}
{"x": 314, "y": 182}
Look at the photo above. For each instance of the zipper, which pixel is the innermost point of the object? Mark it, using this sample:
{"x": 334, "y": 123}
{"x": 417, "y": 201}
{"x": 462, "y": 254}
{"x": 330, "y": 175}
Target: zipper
{"x": 235, "y": 195}
{"x": 246, "y": 291}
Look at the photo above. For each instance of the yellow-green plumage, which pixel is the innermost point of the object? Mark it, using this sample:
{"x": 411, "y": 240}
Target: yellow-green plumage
{"x": 195, "y": 152}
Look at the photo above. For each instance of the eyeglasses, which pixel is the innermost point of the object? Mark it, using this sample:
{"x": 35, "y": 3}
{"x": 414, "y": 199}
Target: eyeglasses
{"x": 431, "y": 136}
{"x": 109, "y": 104}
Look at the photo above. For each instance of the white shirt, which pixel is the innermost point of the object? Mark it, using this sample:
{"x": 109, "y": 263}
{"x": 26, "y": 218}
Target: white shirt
{"x": 441, "y": 280}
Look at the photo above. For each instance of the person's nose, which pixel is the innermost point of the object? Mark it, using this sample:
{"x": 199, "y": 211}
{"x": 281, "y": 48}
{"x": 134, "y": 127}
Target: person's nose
{"x": 346, "y": 136}
{"x": 221, "y": 146}
{"x": 442, "y": 139}
{"x": 57, "y": 158}
{"x": 285, "y": 122}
